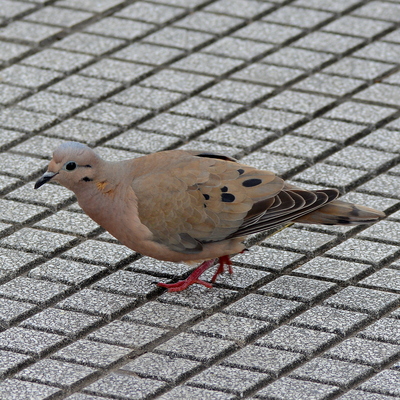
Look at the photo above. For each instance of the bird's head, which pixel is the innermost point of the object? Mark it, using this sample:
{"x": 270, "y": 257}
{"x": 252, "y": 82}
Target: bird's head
{"x": 73, "y": 165}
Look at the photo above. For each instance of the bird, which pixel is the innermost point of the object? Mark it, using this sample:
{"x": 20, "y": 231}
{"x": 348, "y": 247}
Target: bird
{"x": 191, "y": 206}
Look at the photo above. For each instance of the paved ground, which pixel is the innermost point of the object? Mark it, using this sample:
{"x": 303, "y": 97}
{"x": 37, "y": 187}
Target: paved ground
{"x": 307, "y": 88}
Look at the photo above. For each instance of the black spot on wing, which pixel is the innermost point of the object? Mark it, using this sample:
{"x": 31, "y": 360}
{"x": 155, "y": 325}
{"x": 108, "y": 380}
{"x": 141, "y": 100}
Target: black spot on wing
{"x": 224, "y": 189}
{"x": 211, "y": 155}
{"x": 251, "y": 182}
{"x": 206, "y": 196}
{"x": 241, "y": 171}
{"x": 227, "y": 197}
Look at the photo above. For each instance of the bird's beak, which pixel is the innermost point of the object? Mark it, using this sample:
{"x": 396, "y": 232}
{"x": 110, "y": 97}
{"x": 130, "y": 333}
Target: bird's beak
{"x": 44, "y": 178}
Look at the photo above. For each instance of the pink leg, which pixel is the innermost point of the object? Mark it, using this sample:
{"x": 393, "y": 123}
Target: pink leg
{"x": 191, "y": 279}
{"x": 224, "y": 260}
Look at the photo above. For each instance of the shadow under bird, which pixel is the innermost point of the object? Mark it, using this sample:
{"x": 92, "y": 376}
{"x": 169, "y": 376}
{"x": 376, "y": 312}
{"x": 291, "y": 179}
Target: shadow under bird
{"x": 191, "y": 206}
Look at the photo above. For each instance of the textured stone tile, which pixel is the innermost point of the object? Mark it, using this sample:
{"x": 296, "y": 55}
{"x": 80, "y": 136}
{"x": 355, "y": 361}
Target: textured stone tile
{"x": 380, "y": 93}
{"x": 298, "y": 58}
{"x": 355, "y": 26}
{"x": 238, "y": 8}
{"x": 331, "y": 320}
{"x": 238, "y": 48}
{"x": 92, "y": 88}
{"x": 128, "y": 283}
{"x": 265, "y": 308}
{"x": 298, "y": 288}
{"x": 13, "y": 9}
{"x": 199, "y": 297}
{"x": 380, "y": 231}
{"x": 266, "y": 32}
{"x": 14, "y": 389}
{"x": 228, "y": 379}
{"x": 26, "y": 121}
{"x": 67, "y": 272}
{"x": 334, "y": 270}
{"x": 57, "y": 60}
{"x": 177, "y": 125}
{"x": 179, "y": 38}
{"x": 142, "y": 142}
{"x": 159, "y": 366}
{"x": 197, "y": 145}
{"x": 385, "y": 278}
{"x": 331, "y": 176}
{"x": 363, "y": 300}
{"x": 127, "y": 334}
{"x": 32, "y": 290}
{"x": 268, "y": 119}
{"x": 119, "y": 385}
{"x": 301, "y": 340}
{"x": 115, "y": 70}
{"x": 267, "y": 74}
{"x": 206, "y": 64}
{"x": 304, "y": 103}
{"x": 236, "y": 91}
{"x": 120, "y": 28}
{"x": 299, "y": 240}
{"x": 326, "y": 129}
{"x": 238, "y": 136}
{"x": 177, "y": 81}
{"x": 226, "y": 326}
{"x": 332, "y": 372}
{"x": 11, "y": 94}
{"x": 13, "y": 311}
{"x": 357, "y": 157}
{"x": 159, "y": 268}
{"x": 329, "y": 85}
{"x": 195, "y": 347}
{"x": 52, "y": 103}
{"x": 293, "y": 389}
{"x": 83, "y": 131}
{"x": 115, "y": 114}
{"x": 262, "y": 359}
{"x": 194, "y": 393}
{"x": 382, "y": 185}
{"x": 358, "y": 68}
{"x": 380, "y": 51}
{"x": 57, "y": 373}
{"x": 29, "y": 33}
{"x": 280, "y": 165}
{"x": 379, "y": 10}
{"x": 108, "y": 254}
{"x": 361, "y": 395}
{"x": 59, "y": 17}
{"x": 382, "y": 139}
{"x": 11, "y": 362}
{"x": 94, "y": 302}
{"x": 142, "y": 97}
{"x": 294, "y": 146}
{"x": 214, "y": 110}
{"x": 328, "y": 42}
{"x": 301, "y": 17}
{"x": 149, "y": 12}
{"x": 386, "y": 330}
{"x": 385, "y": 382}
{"x": 11, "y": 51}
{"x": 337, "y": 6}
{"x": 12, "y": 211}
{"x": 69, "y": 222}
{"x": 97, "y": 7}
{"x": 30, "y": 342}
{"x": 364, "y": 351}
{"x": 147, "y": 53}
{"x": 364, "y": 251}
{"x": 61, "y": 322}
{"x": 92, "y": 354}
{"x": 208, "y": 22}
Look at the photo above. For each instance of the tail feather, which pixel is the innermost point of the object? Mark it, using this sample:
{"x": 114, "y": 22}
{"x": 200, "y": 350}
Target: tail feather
{"x": 340, "y": 212}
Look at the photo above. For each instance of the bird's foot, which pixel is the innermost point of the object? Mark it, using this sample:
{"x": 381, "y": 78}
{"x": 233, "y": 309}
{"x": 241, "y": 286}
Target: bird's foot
{"x": 224, "y": 260}
{"x": 191, "y": 279}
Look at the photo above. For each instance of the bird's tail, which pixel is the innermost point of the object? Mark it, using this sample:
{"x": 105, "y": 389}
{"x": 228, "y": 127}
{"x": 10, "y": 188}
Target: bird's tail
{"x": 340, "y": 212}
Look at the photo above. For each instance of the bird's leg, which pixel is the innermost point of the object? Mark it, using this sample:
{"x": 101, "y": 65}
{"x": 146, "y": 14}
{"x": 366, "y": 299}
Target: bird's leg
{"x": 191, "y": 279}
{"x": 224, "y": 260}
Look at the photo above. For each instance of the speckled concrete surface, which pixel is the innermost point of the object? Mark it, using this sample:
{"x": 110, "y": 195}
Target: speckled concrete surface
{"x": 307, "y": 88}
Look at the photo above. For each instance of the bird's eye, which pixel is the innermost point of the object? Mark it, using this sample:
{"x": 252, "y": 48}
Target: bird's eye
{"x": 70, "y": 165}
